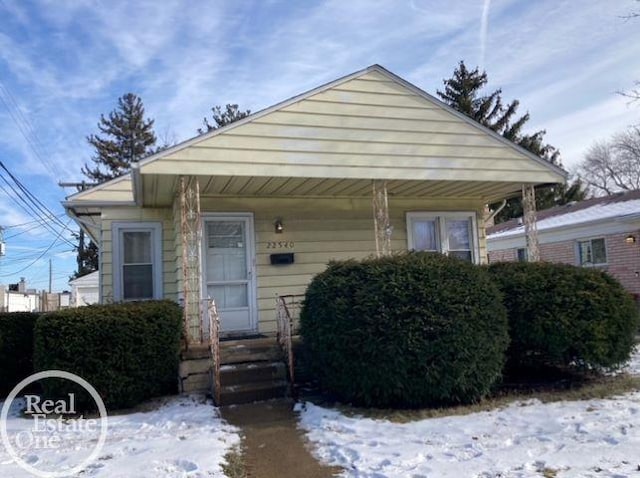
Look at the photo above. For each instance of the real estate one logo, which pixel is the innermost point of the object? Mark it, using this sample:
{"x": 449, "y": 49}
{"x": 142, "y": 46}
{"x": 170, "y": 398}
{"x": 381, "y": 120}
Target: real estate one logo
{"x": 53, "y": 425}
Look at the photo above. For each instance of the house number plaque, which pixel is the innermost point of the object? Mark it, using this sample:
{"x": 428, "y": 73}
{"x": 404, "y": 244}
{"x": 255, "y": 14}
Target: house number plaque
{"x": 280, "y": 244}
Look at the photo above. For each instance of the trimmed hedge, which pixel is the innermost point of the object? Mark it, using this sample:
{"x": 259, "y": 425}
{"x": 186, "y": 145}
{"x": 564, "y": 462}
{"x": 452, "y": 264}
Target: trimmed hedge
{"x": 16, "y": 348}
{"x": 408, "y": 330}
{"x": 562, "y": 315}
{"x": 128, "y": 352}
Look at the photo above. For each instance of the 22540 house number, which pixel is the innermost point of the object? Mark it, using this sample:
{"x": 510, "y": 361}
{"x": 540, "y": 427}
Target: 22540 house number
{"x": 280, "y": 244}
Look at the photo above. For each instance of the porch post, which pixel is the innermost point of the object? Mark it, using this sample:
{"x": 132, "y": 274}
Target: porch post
{"x": 530, "y": 222}
{"x": 191, "y": 235}
{"x": 381, "y": 223}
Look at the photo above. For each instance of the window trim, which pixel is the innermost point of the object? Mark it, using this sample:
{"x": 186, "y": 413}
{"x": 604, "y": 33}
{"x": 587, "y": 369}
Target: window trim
{"x": 252, "y": 241}
{"x": 440, "y": 217}
{"x": 117, "y": 228}
{"x": 591, "y": 239}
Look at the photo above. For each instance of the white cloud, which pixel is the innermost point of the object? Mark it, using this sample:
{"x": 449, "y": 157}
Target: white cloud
{"x": 577, "y": 130}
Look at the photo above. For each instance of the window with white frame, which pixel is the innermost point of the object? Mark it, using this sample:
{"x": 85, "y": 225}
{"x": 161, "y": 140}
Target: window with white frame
{"x": 137, "y": 261}
{"x": 449, "y": 233}
{"x": 592, "y": 252}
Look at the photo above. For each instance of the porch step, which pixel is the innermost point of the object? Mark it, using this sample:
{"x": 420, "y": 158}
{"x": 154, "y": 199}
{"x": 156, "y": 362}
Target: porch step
{"x": 253, "y": 372}
{"x": 257, "y": 342}
{"x": 244, "y": 351}
{"x": 253, "y": 392}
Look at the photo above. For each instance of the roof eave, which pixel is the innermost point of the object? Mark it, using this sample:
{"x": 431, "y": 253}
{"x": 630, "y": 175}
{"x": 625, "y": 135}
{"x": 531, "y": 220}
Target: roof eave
{"x": 564, "y": 227}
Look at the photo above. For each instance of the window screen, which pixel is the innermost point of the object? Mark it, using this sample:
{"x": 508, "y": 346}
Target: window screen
{"x": 137, "y": 266}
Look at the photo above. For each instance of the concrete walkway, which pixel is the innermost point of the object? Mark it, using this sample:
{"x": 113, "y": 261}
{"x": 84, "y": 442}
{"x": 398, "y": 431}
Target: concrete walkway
{"x": 273, "y": 446}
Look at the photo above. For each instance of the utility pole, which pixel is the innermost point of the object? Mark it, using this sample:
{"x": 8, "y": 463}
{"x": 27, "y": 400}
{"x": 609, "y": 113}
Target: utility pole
{"x": 2, "y": 243}
{"x": 50, "y": 276}
{"x": 81, "y": 186}
{"x": 80, "y": 250}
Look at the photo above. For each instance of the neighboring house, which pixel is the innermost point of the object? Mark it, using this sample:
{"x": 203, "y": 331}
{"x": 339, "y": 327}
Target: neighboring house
{"x": 277, "y": 195}
{"x": 601, "y": 232}
{"x": 85, "y": 290}
{"x": 18, "y": 298}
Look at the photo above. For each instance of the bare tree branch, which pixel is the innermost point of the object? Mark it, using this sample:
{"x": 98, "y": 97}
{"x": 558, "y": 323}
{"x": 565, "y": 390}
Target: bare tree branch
{"x": 632, "y": 14}
{"x": 633, "y": 94}
{"x": 613, "y": 166}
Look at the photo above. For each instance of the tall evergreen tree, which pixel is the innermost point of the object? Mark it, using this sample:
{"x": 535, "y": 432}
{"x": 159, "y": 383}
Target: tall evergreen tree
{"x": 127, "y": 136}
{"x": 464, "y": 91}
{"x": 86, "y": 256}
{"x": 220, "y": 117}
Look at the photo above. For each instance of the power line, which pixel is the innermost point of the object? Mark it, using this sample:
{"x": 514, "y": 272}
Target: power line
{"x": 39, "y": 257}
{"x": 24, "y": 126}
{"x": 26, "y": 223}
{"x": 19, "y": 201}
{"x": 34, "y": 206}
{"x": 28, "y": 207}
{"x": 14, "y": 260}
{"x": 34, "y": 199}
{"x": 32, "y": 228}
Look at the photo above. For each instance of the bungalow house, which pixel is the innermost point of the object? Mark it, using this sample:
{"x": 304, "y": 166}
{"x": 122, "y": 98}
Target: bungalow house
{"x": 251, "y": 211}
{"x": 600, "y": 232}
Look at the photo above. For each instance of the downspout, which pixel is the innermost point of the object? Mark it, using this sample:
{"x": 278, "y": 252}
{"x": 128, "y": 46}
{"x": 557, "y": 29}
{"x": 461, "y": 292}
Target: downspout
{"x": 496, "y": 212}
{"x": 136, "y": 182}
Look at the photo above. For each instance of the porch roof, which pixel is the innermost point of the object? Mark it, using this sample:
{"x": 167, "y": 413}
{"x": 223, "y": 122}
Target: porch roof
{"x": 333, "y": 141}
{"x": 159, "y": 190}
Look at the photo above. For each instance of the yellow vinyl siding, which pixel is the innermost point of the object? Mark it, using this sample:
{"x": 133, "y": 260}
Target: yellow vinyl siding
{"x": 321, "y": 230}
{"x": 116, "y": 190}
{"x": 368, "y": 127}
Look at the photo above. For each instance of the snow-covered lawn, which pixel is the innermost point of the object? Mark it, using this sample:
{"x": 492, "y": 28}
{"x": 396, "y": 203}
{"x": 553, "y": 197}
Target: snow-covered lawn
{"x": 591, "y": 438}
{"x": 183, "y": 436}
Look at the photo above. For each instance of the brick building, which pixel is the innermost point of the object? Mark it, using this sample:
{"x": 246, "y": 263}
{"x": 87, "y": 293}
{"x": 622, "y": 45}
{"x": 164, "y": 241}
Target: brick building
{"x": 600, "y": 232}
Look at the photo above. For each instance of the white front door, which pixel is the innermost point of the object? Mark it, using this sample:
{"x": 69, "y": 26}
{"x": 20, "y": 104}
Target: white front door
{"x": 228, "y": 270}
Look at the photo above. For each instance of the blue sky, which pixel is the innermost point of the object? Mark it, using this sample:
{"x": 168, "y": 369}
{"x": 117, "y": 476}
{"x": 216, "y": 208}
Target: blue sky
{"x": 65, "y": 62}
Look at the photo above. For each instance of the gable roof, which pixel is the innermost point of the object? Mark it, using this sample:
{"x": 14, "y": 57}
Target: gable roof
{"x": 620, "y": 205}
{"x": 373, "y": 69}
{"x": 335, "y": 139}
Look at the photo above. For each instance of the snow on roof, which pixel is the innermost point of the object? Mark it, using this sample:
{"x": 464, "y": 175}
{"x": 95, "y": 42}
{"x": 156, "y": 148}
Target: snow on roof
{"x": 572, "y": 216}
{"x": 90, "y": 280}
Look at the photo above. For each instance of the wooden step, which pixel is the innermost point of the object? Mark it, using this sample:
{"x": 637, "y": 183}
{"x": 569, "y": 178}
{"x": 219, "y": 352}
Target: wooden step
{"x": 240, "y": 353}
{"x": 262, "y": 341}
{"x": 253, "y": 392}
{"x": 252, "y": 372}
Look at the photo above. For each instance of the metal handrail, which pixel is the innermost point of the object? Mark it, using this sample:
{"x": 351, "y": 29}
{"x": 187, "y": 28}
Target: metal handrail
{"x": 286, "y": 329}
{"x": 214, "y": 348}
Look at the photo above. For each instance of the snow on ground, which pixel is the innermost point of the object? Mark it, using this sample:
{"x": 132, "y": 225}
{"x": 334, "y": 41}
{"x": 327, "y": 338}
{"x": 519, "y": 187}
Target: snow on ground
{"x": 184, "y": 436}
{"x": 591, "y": 438}
{"x": 633, "y": 366}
